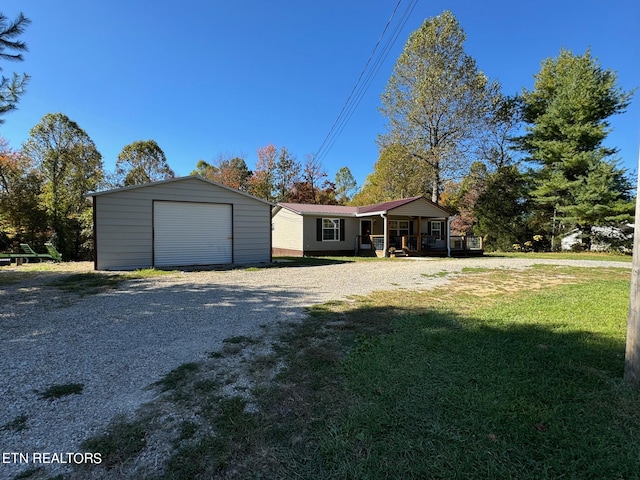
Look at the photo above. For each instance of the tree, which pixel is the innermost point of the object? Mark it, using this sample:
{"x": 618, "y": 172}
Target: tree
{"x": 142, "y": 162}
{"x": 501, "y": 211}
{"x": 309, "y": 188}
{"x": 233, "y": 173}
{"x": 395, "y": 175}
{"x": 205, "y": 170}
{"x": 21, "y": 217}
{"x": 496, "y": 148}
{"x": 261, "y": 184}
{"x": 286, "y": 175}
{"x": 71, "y": 167}
{"x": 345, "y": 185}
{"x": 437, "y": 101}
{"x": 578, "y": 181}
{"x": 313, "y": 187}
{"x": 466, "y": 198}
{"x": 12, "y": 89}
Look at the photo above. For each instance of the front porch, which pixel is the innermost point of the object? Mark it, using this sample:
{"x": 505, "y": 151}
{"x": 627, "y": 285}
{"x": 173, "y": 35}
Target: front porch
{"x": 419, "y": 245}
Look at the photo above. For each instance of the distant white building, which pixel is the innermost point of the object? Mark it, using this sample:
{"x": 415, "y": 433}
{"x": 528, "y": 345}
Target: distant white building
{"x": 599, "y": 238}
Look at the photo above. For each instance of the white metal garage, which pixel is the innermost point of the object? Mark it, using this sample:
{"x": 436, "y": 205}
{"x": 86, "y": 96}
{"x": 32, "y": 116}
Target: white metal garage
{"x": 188, "y": 233}
{"x": 179, "y": 222}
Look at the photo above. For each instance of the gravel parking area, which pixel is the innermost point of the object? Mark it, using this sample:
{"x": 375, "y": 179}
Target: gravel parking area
{"x": 119, "y": 342}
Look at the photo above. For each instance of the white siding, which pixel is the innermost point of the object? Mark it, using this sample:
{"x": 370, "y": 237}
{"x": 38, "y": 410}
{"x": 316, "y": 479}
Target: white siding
{"x": 287, "y": 230}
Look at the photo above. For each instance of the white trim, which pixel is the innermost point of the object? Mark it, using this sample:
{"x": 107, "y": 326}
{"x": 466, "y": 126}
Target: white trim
{"x": 177, "y": 179}
{"x": 335, "y": 230}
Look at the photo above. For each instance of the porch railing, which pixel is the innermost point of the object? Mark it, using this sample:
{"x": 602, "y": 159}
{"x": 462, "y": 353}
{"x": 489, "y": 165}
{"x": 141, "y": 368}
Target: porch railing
{"x": 422, "y": 243}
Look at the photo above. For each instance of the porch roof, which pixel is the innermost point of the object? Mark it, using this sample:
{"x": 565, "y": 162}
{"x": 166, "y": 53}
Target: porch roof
{"x": 385, "y": 206}
{"x": 363, "y": 211}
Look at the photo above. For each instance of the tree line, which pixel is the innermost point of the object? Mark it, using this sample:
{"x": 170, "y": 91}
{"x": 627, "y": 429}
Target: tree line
{"x": 44, "y": 186}
{"x": 521, "y": 170}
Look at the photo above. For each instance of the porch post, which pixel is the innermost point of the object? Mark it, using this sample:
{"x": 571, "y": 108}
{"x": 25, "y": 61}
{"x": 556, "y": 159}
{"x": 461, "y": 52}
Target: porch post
{"x": 386, "y": 230}
{"x": 448, "y": 236}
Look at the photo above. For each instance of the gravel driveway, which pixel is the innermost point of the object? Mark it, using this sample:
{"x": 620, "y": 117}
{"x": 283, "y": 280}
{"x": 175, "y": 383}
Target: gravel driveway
{"x": 117, "y": 343}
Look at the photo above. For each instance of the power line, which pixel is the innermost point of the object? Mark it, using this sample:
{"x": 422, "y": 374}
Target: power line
{"x": 361, "y": 86}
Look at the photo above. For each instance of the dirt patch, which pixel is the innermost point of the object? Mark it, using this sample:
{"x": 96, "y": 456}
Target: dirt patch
{"x": 489, "y": 285}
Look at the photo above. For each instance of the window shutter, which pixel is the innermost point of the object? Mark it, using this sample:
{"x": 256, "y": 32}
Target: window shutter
{"x": 410, "y": 227}
{"x": 342, "y": 229}
{"x": 319, "y": 229}
{"x": 443, "y": 225}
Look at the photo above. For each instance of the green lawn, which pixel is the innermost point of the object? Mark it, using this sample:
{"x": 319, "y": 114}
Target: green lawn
{"x": 517, "y": 378}
{"x": 604, "y": 256}
{"x": 499, "y": 374}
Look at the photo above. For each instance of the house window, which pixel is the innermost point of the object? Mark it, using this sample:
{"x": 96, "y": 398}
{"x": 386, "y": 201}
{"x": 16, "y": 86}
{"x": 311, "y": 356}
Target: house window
{"x": 330, "y": 229}
{"x": 398, "y": 228}
{"x": 436, "y": 229}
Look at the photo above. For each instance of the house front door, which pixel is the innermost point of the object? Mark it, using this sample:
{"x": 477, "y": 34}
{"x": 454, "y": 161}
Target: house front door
{"x": 365, "y": 232}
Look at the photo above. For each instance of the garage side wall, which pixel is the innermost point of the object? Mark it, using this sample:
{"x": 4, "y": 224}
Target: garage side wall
{"x": 124, "y": 223}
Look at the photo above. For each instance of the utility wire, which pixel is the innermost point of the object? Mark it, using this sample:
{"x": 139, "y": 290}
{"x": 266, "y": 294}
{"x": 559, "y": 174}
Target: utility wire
{"x": 370, "y": 76}
{"x": 361, "y": 87}
{"x": 346, "y": 104}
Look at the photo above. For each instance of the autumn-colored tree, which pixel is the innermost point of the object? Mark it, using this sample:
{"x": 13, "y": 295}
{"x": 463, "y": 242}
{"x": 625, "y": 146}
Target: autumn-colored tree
{"x": 231, "y": 172}
{"x": 465, "y": 199}
{"x": 261, "y": 183}
{"x": 286, "y": 175}
{"x": 234, "y": 173}
{"x": 21, "y": 217}
{"x": 312, "y": 187}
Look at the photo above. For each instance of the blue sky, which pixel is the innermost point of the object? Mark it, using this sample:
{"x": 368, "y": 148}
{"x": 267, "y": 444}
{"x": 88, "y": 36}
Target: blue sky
{"x": 206, "y": 78}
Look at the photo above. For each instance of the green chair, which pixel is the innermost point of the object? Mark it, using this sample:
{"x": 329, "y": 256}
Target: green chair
{"x": 55, "y": 254}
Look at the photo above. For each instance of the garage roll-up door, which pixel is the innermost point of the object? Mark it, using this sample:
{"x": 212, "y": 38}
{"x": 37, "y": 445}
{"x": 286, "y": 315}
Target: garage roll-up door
{"x": 186, "y": 233}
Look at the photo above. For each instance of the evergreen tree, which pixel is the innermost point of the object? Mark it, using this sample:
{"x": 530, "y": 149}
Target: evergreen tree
{"x": 502, "y": 210}
{"x": 578, "y": 184}
{"x": 11, "y": 89}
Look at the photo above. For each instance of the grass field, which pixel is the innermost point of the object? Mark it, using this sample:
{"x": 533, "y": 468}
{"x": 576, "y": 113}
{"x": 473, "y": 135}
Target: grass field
{"x": 499, "y": 374}
{"x": 507, "y": 375}
{"x": 604, "y": 256}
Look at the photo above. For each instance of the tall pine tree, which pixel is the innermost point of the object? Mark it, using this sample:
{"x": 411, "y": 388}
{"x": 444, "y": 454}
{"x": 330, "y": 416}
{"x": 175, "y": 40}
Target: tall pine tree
{"x": 578, "y": 184}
